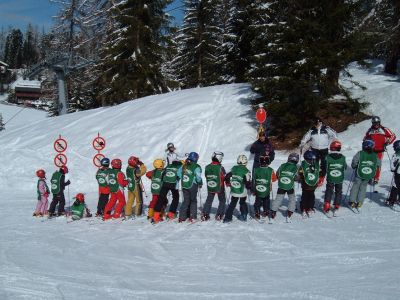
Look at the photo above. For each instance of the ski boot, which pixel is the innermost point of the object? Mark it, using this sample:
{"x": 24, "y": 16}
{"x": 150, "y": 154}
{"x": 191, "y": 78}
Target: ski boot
{"x": 219, "y": 217}
{"x": 171, "y": 216}
{"x": 289, "y": 216}
{"x": 205, "y": 217}
{"x": 327, "y": 207}
{"x": 243, "y": 217}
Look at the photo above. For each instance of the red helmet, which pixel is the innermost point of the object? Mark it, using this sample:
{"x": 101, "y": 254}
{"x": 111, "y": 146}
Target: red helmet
{"x": 335, "y": 146}
{"x": 41, "y": 173}
{"x": 64, "y": 169}
{"x": 80, "y": 197}
{"x": 116, "y": 163}
{"x": 133, "y": 161}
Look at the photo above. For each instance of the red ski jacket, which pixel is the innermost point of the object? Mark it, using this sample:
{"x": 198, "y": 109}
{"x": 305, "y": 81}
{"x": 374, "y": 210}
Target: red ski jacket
{"x": 381, "y": 136}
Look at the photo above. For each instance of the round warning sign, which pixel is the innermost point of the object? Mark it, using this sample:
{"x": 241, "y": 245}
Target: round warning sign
{"x": 261, "y": 115}
{"x": 97, "y": 159}
{"x": 60, "y": 145}
{"x": 60, "y": 160}
{"x": 99, "y": 143}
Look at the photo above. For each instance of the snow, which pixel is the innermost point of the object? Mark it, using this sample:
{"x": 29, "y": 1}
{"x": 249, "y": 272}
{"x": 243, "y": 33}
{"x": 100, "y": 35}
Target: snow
{"x": 348, "y": 257}
{"x": 20, "y": 116}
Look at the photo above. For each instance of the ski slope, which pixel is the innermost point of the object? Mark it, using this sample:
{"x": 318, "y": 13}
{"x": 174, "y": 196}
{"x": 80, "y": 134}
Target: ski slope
{"x": 348, "y": 257}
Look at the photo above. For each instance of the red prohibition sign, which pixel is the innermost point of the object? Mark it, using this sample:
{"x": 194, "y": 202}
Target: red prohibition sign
{"x": 97, "y": 159}
{"x": 99, "y": 143}
{"x": 261, "y": 115}
{"x": 60, "y": 145}
{"x": 60, "y": 160}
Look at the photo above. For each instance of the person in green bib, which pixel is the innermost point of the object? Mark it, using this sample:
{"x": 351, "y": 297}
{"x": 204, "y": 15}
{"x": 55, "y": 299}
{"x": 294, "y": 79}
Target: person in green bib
{"x": 170, "y": 182}
{"x": 309, "y": 173}
{"x": 156, "y": 182}
{"x": 104, "y": 187}
{"x": 190, "y": 176}
{"x": 58, "y": 185}
{"x": 134, "y": 172}
{"x": 365, "y": 164}
{"x": 79, "y": 209}
{"x": 215, "y": 175}
{"x": 336, "y": 166}
{"x": 263, "y": 176}
{"x": 394, "y": 196}
{"x": 239, "y": 180}
{"x": 287, "y": 175}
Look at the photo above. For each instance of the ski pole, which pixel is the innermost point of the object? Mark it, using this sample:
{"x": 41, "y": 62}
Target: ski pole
{"x": 390, "y": 189}
{"x": 69, "y": 204}
{"x": 142, "y": 187}
{"x": 390, "y": 160}
{"x": 349, "y": 185}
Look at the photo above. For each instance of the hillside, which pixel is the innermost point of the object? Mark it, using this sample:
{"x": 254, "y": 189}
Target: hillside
{"x": 353, "y": 256}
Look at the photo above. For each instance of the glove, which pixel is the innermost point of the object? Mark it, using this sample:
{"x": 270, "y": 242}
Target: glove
{"x": 46, "y": 194}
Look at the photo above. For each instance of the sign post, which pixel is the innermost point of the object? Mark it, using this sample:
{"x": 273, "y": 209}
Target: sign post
{"x": 99, "y": 143}
{"x": 60, "y": 145}
{"x": 261, "y": 116}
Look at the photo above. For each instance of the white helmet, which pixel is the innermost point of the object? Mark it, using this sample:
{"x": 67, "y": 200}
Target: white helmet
{"x": 242, "y": 160}
{"x": 218, "y": 155}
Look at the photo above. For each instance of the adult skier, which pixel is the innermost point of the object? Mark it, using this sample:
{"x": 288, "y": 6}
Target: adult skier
{"x": 104, "y": 188}
{"x": 171, "y": 154}
{"x": 381, "y": 136}
{"x": 365, "y": 164}
{"x": 215, "y": 178}
{"x": 190, "y": 174}
{"x": 117, "y": 182}
{"x": 320, "y": 137}
{"x": 42, "y": 194}
{"x": 239, "y": 180}
{"x": 58, "y": 185}
{"x": 394, "y": 196}
{"x": 286, "y": 174}
{"x": 264, "y": 176}
{"x": 134, "y": 172}
{"x": 336, "y": 166}
{"x": 262, "y": 147}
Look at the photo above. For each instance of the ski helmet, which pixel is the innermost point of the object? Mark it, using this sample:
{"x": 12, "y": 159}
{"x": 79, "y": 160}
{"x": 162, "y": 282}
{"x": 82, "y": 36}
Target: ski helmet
{"x": 218, "y": 156}
{"x": 242, "y": 160}
{"x": 133, "y": 161}
{"x": 116, "y": 163}
{"x": 309, "y": 155}
{"x": 294, "y": 158}
{"x": 170, "y": 146}
{"x": 317, "y": 120}
{"x": 396, "y": 145}
{"x": 64, "y": 169}
{"x": 41, "y": 173}
{"x": 80, "y": 197}
{"x": 158, "y": 163}
{"x": 376, "y": 120}
{"x": 193, "y": 156}
{"x": 335, "y": 146}
{"x": 368, "y": 145}
{"x": 105, "y": 162}
{"x": 264, "y": 160}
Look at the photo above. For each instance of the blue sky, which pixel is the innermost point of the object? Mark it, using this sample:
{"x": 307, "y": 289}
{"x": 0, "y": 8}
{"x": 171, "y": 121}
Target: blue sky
{"x": 19, "y": 13}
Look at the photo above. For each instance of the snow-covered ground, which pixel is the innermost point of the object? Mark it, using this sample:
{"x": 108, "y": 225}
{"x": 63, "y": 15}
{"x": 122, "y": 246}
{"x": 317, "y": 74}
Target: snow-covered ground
{"x": 17, "y": 116}
{"x": 348, "y": 257}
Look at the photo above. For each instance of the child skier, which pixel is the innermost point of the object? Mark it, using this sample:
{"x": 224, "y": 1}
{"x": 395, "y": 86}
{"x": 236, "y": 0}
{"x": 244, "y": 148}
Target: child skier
{"x": 42, "y": 193}
{"x": 104, "y": 188}
{"x": 190, "y": 174}
{"x": 79, "y": 209}
{"x": 169, "y": 183}
{"x": 395, "y": 190}
{"x": 365, "y": 164}
{"x": 117, "y": 183}
{"x": 156, "y": 183}
{"x": 58, "y": 185}
{"x": 135, "y": 170}
{"x": 336, "y": 166}
{"x": 215, "y": 178}
{"x": 309, "y": 173}
{"x": 239, "y": 179}
{"x": 262, "y": 181}
{"x": 286, "y": 174}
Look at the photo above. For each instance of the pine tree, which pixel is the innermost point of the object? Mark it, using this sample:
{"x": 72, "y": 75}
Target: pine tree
{"x": 13, "y": 49}
{"x": 29, "y": 48}
{"x": 2, "y": 125}
{"x": 132, "y": 57}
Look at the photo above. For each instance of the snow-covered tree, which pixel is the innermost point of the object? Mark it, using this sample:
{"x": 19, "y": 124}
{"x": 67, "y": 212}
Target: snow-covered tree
{"x": 2, "y": 125}
{"x": 13, "y": 49}
{"x": 132, "y": 57}
{"x": 30, "y": 46}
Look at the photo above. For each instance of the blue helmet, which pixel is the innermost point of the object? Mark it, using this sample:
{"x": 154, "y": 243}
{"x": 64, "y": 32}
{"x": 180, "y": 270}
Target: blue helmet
{"x": 193, "y": 156}
{"x": 105, "y": 162}
{"x": 368, "y": 145}
{"x": 396, "y": 145}
{"x": 310, "y": 155}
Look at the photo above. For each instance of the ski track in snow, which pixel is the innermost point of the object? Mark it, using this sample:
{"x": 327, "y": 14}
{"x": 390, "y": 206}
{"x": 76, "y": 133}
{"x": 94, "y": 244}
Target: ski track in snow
{"x": 352, "y": 256}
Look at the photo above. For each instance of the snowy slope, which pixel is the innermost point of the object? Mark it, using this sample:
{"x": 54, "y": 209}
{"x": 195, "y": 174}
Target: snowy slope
{"x": 349, "y": 257}
{"x": 17, "y": 116}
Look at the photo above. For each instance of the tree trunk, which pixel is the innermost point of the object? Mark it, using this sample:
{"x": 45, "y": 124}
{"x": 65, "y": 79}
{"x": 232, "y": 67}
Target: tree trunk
{"x": 332, "y": 81}
{"x": 391, "y": 61}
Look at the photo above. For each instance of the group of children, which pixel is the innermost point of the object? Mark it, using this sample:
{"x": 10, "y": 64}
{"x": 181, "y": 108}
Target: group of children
{"x": 176, "y": 170}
